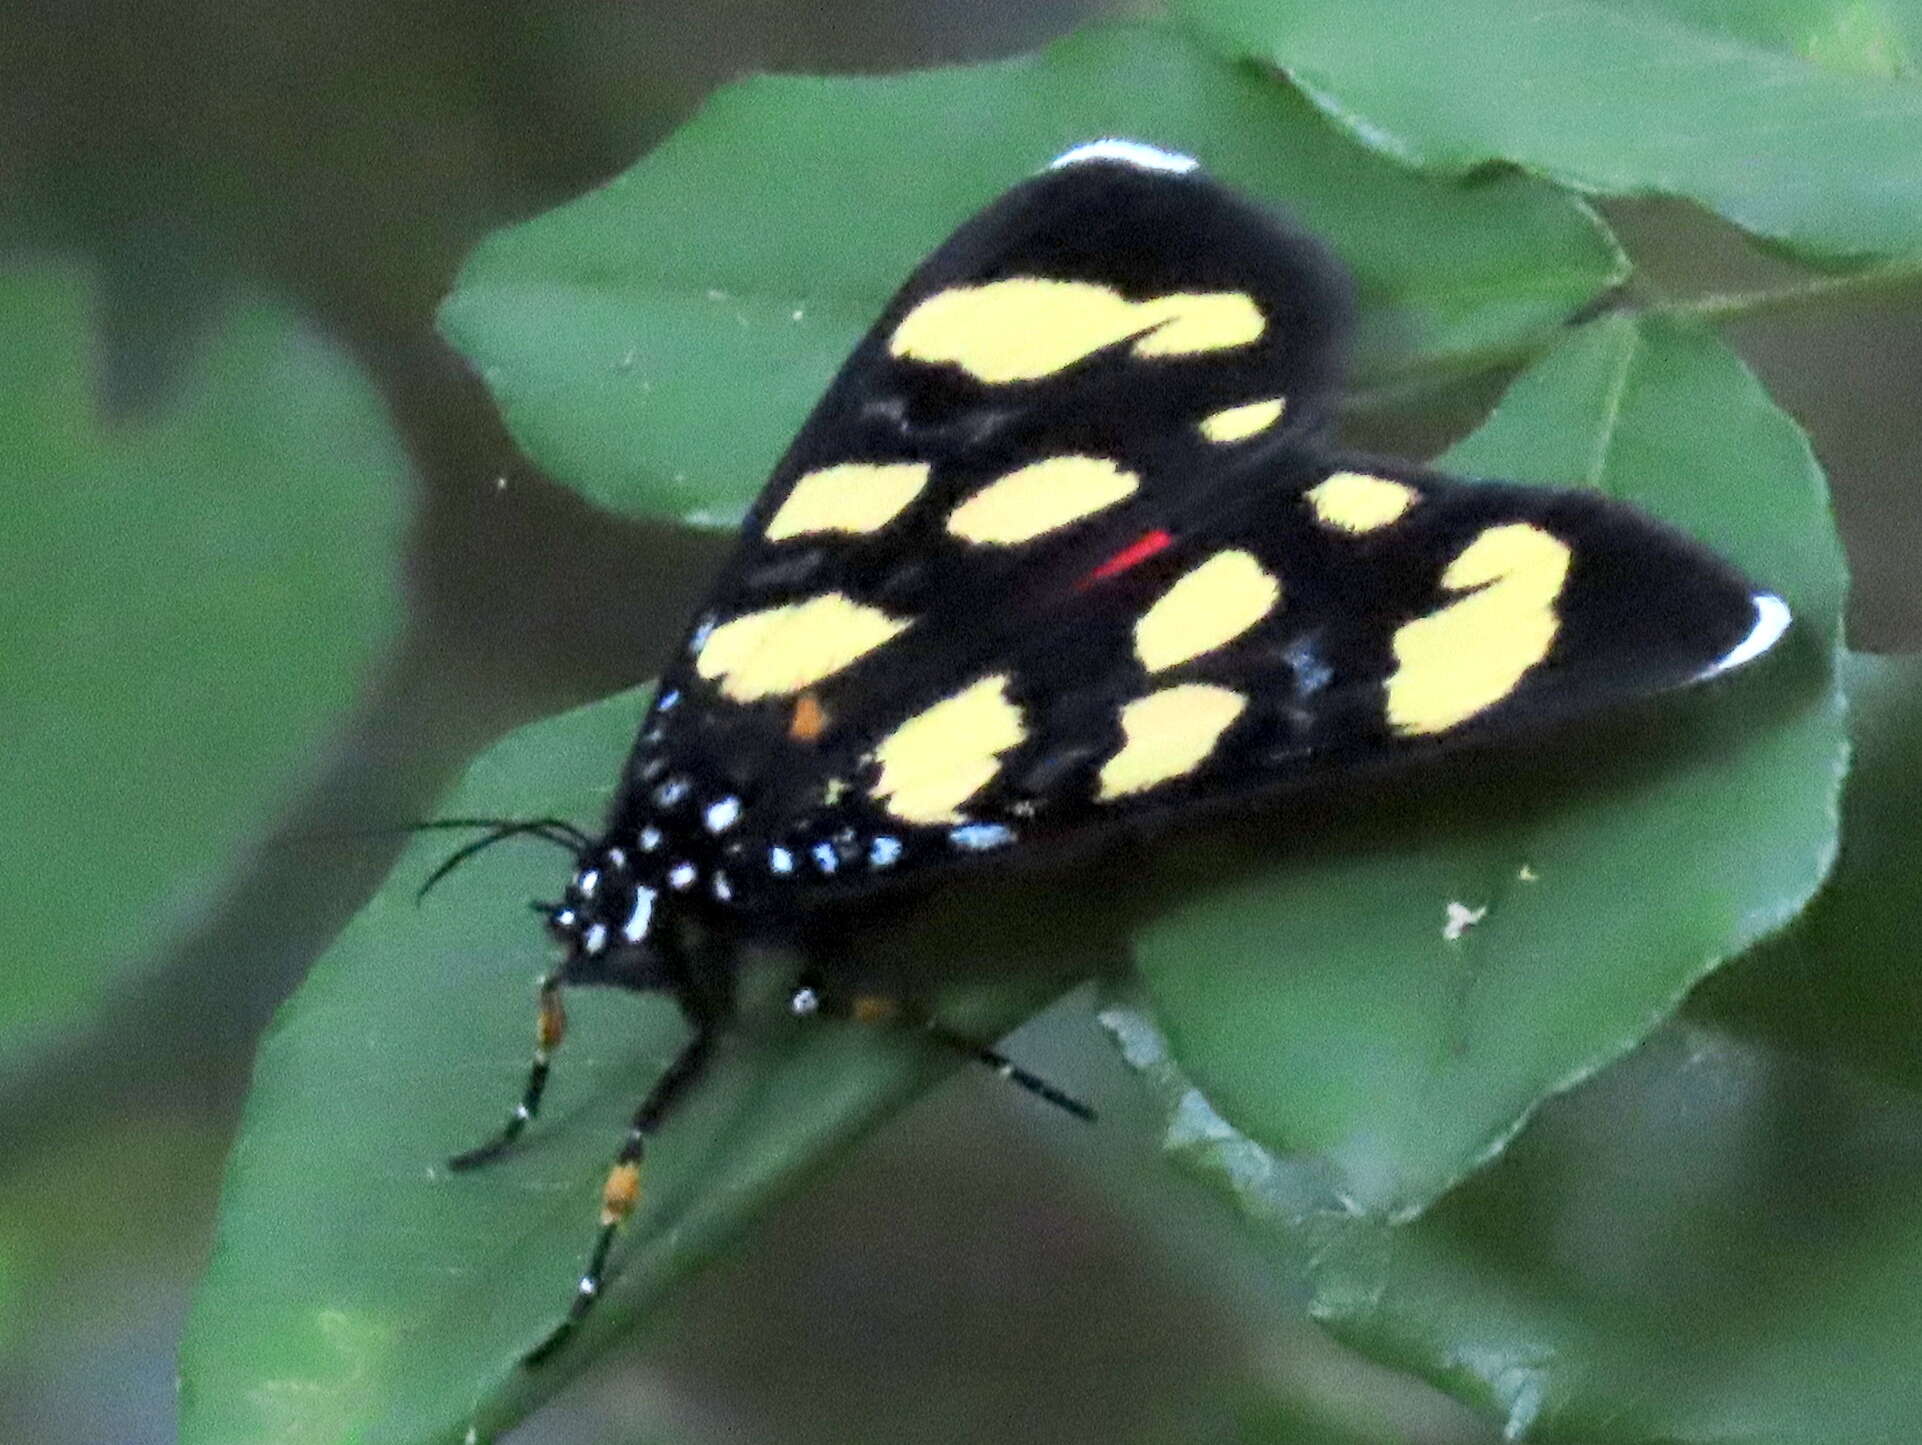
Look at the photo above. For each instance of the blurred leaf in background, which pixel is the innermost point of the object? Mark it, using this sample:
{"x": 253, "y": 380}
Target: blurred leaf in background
{"x": 1840, "y": 987}
{"x": 194, "y": 602}
{"x": 1744, "y": 108}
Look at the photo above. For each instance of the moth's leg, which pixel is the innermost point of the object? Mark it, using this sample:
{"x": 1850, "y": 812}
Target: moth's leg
{"x": 622, "y": 1190}
{"x": 704, "y": 988}
{"x": 550, "y": 1027}
{"x": 810, "y": 997}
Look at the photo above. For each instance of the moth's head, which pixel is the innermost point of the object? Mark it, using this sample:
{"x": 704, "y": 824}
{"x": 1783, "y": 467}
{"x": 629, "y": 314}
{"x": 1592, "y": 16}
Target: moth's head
{"x": 608, "y": 920}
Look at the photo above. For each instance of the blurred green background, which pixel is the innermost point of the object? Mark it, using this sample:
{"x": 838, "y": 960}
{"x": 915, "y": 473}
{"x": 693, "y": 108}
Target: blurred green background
{"x": 979, "y": 1271}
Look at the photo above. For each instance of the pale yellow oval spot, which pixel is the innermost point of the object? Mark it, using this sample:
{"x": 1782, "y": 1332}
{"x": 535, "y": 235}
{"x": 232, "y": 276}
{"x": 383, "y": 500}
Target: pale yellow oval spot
{"x": 1040, "y": 497}
{"x": 1028, "y": 327}
{"x": 942, "y": 756}
{"x": 848, "y": 497}
{"x": 1469, "y": 655}
{"x": 1237, "y": 423}
{"x": 781, "y": 650}
{"x": 1208, "y": 607}
{"x": 1357, "y": 502}
{"x": 1190, "y": 322}
{"x": 1168, "y": 734}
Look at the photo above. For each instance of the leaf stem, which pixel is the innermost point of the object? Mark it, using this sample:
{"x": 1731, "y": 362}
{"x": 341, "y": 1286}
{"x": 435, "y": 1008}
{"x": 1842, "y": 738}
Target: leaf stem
{"x": 1728, "y": 305}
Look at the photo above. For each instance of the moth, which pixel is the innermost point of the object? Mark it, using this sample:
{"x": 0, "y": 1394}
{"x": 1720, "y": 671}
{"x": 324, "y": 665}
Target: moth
{"x": 1065, "y": 549}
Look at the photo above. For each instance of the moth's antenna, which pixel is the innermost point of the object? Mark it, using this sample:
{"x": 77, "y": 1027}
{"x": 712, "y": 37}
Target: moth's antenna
{"x": 562, "y": 835}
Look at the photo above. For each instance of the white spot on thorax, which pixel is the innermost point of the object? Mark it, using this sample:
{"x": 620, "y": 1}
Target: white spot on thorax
{"x": 1129, "y": 152}
{"x": 722, "y": 814}
{"x": 780, "y": 860}
{"x": 595, "y": 938}
{"x": 681, "y": 877}
{"x": 649, "y": 839}
{"x": 588, "y": 882}
{"x": 635, "y": 929}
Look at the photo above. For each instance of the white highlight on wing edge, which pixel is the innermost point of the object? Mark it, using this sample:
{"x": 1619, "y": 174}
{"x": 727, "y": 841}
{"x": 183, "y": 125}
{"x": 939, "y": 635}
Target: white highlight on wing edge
{"x": 1771, "y": 621}
{"x": 1128, "y": 152}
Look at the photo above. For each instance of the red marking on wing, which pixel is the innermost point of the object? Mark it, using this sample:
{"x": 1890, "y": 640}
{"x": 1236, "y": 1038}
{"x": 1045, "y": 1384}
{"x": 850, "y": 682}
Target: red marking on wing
{"x": 1135, "y": 553}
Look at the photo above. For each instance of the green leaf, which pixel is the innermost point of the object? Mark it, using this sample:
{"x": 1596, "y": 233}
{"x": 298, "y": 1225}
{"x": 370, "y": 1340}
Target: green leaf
{"x": 1712, "y": 1240}
{"x": 1319, "y": 1000}
{"x": 656, "y": 344}
{"x": 358, "y": 1290}
{"x": 1798, "y": 122}
{"x": 13, "y": 1313}
{"x": 190, "y": 604}
{"x": 1871, "y": 38}
{"x": 1841, "y": 986}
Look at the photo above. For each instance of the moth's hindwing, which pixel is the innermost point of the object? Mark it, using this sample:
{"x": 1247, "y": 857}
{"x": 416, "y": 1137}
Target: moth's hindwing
{"x": 1062, "y": 545}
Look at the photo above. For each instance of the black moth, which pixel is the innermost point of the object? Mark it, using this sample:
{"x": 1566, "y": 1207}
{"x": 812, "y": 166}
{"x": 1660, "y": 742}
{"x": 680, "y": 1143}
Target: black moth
{"x": 1062, "y": 550}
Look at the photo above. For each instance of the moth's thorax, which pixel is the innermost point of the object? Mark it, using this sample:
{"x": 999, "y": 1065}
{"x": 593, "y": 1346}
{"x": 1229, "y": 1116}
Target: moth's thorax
{"x": 609, "y": 905}
{"x": 700, "y": 841}
{"x": 626, "y": 890}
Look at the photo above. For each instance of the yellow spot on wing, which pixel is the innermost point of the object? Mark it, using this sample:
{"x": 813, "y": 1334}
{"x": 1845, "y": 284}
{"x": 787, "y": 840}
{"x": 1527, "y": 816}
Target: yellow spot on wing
{"x": 1357, "y": 502}
{"x": 939, "y": 758}
{"x": 1166, "y": 735}
{"x": 1037, "y": 498}
{"x": 850, "y": 497}
{"x": 1188, "y": 322}
{"x": 1469, "y": 655}
{"x": 1239, "y": 422}
{"x": 1209, "y": 606}
{"x": 783, "y": 649}
{"x": 1028, "y": 327}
